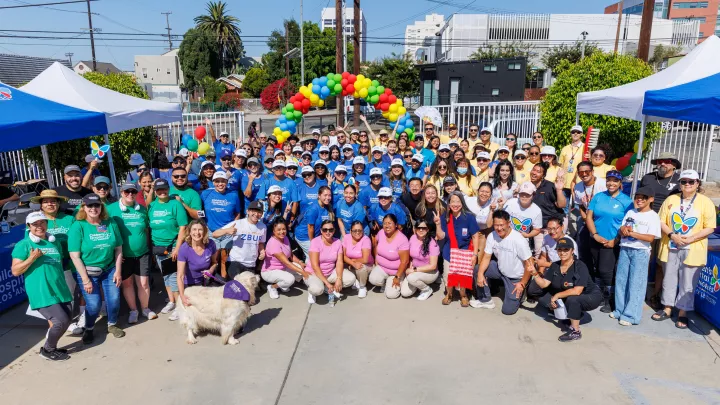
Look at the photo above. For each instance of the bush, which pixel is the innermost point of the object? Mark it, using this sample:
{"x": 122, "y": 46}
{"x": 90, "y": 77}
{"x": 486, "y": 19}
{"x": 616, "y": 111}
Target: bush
{"x": 597, "y": 72}
{"x": 123, "y": 144}
{"x": 278, "y": 89}
{"x": 233, "y": 100}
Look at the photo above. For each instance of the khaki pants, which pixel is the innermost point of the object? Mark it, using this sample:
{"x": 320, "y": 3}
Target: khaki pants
{"x": 360, "y": 274}
{"x": 316, "y": 287}
{"x": 283, "y": 278}
{"x": 417, "y": 281}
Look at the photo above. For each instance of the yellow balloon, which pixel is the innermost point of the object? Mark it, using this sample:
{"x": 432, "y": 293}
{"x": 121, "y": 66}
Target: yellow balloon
{"x": 402, "y": 110}
{"x": 321, "y": 103}
{"x": 393, "y": 117}
{"x": 398, "y": 102}
{"x": 356, "y": 94}
{"x": 302, "y": 89}
{"x": 277, "y": 131}
{"x": 203, "y": 148}
{"x": 314, "y": 98}
{"x": 363, "y": 92}
{"x": 285, "y": 134}
{"x": 367, "y": 83}
{"x": 614, "y": 161}
{"x": 385, "y": 114}
{"x": 361, "y": 78}
{"x": 393, "y": 108}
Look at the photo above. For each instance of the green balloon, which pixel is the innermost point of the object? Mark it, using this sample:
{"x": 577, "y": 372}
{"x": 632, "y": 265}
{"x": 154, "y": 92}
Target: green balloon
{"x": 338, "y": 87}
{"x": 374, "y": 99}
{"x": 372, "y": 90}
{"x": 633, "y": 159}
{"x": 627, "y": 171}
{"x": 192, "y": 145}
{"x": 297, "y": 114}
{"x": 330, "y": 76}
{"x": 331, "y": 83}
{"x": 375, "y": 83}
{"x": 284, "y": 110}
{"x": 289, "y": 107}
{"x": 289, "y": 115}
{"x": 380, "y": 89}
{"x": 338, "y": 77}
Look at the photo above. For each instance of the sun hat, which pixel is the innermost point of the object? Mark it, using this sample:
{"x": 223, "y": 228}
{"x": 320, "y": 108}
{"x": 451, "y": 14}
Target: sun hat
{"x": 47, "y": 194}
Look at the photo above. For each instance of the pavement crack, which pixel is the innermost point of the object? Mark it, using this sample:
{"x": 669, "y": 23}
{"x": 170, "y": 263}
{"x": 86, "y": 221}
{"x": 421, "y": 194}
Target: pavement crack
{"x": 292, "y": 358}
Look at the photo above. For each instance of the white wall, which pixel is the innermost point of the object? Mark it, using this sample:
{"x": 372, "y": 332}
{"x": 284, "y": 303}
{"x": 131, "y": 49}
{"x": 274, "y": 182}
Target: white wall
{"x": 159, "y": 69}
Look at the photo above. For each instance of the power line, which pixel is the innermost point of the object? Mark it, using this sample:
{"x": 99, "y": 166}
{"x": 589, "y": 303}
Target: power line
{"x": 167, "y": 18}
{"x": 25, "y": 5}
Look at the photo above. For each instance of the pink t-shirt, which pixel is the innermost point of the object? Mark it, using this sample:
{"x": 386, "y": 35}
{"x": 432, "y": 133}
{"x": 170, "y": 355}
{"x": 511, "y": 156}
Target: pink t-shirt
{"x": 418, "y": 260}
{"x": 328, "y": 255}
{"x": 354, "y": 250}
{"x": 273, "y": 247}
{"x": 388, "y": 252}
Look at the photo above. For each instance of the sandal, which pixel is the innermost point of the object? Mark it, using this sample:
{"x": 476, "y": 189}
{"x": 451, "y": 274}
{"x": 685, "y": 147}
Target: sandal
{"x": 682, "y": 322}
{"x": 464, "y": 302}
{"x": 660, "y": 316}
{"x": 447, "y": 300}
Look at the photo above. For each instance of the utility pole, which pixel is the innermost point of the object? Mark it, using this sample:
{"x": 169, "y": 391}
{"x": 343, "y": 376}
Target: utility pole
{"x": 645, "y": 30}
{"x": 287, "y": 57}
{"x": 584, "y": 34}
{"x": 339, "y": 34}
{"x": 69, "y": 55}
{"x": 92, "y": 38}
{"x": 617, "y": 34}
{"x": 356, "y": 56}
{"x": 302, "y": 47}
{"x": 344, "y": 39}
{"x": 167, "y": 18}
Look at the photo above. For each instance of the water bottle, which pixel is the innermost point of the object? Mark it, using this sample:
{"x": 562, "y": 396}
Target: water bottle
{"x": 4, "y": 226}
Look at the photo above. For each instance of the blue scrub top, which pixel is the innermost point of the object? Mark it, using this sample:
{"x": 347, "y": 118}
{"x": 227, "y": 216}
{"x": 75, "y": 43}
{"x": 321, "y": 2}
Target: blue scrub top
{"x": 219, "y": 147}
{"x": 349, "y": 213}
{"x": 608, "y": 212}
{"x": 287, "y": 185}
{"x": 315, "y": 215}
{"x": 307, "y": 195}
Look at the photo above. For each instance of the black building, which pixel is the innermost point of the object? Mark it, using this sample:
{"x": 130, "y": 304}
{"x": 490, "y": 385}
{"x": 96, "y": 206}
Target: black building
{"x": 472, "y": 81}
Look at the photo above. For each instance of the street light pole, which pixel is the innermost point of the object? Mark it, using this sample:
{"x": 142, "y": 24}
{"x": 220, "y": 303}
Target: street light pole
{"x": 584, "y": 34}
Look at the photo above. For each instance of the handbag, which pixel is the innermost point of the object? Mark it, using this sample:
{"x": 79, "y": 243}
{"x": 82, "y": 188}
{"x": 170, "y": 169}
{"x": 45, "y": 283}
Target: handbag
{"x": 460, "y": 269}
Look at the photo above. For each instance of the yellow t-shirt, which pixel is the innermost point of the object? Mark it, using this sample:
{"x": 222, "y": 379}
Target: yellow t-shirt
{"x": 529, "y": 165}
{"x": 493, "y": 147}
{"x": 378, "y": 142}
{"x": 472, "y": 143}
{"x": 468, "y": 188}
{"x": 569, "y": 157}
{"x": 601, "y": 171}
{"x": 699, "y": 216}
{"x": 447, "y": 139}
{"x": 481, "y": 176}
{"x": 551, "y": 174}
{"x": 521, "y": 175}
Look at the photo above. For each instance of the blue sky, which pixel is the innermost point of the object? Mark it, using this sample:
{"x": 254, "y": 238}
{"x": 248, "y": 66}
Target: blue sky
{"x": 257, "y": 19}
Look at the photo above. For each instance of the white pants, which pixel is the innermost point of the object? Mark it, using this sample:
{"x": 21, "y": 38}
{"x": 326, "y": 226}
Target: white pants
{"x": 283, "y": 278}
{"x": 316, "y": 287}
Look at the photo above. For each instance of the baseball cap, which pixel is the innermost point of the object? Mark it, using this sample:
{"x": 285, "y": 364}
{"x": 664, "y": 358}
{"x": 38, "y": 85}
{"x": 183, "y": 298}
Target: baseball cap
{"x": 331, "y": 127}
{"x": 385, "y": 192}
{"x": 452, "y": 126}
{"x": 444, "y": 147}
{"x": 354, "y": 131}
{"x": 223, "y": 133}
{"x": 35, "y": 216}
{"x": 358, "y": 160}
{"x": 256, "y": 205}
{"x": 383, "y": 132}
{"x": 565, "y": 243}
{"x": 219, "y": 175}
{"x": 319, "y": 163}
{"x": 278, "y": 163}
{"x": 95, "y": 199}
{"x": 486, "y": 129}
{"x": 225, "y": 153}
{"x": 614, "y": 174}
{"x": 89, "y": 158}
{"x": 449, "y": 179}
{"x": 278, "y": 152}
{"x": 207, "y": 163}
{"x": 268, "y": 158}
{"x": 520, "y": 152}
{"x": 272, "y": 138}
{"x": 527, "y": 188}
{"x": 315, "y": 132}
{"x": 240, "y": 152}
{"x": 297, "y": 149}
{"x": 161, "y": 184}
{"x": 129, "y": 186}
{"x": 307, "y": 169}
{"x": 576, "y": 128}
{"x": 396, "y": 162}
{"x": 210, "y": 152}
{"x": 340, "y": 169}
{"x": 483, "y": 155}
{"x": 347, "y": 146}
{"x": 274, "y": 189}
{"x": 690, "y": 175}
{"x": 291, "y": 163}
{"x": 503, "y": 148}
{"x": 418, "y": 157}
{"x": 548, "y": 150}
{"x": 453, "y": 142}
{"x": 100, "y": 180}
{"x": 375, "y": 171}
{"x": 646, "y": 191}
{"x": 323, "y": 149}
{"x": 376, "y": 149}
{"x": 183, "y": 152}
{"x": 253, "y": 160}
{"x": 306, "y": 153}
{"x": 71, "y": 168}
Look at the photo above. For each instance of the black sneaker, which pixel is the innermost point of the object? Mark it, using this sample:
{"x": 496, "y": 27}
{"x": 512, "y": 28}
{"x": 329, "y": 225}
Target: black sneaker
{"x": 606, "y": 308}
{"x": 55, "y": 355}
{"x": 88, "y": 336}
{"x": 61, "y": 350}
{"x": 571, "y": 335}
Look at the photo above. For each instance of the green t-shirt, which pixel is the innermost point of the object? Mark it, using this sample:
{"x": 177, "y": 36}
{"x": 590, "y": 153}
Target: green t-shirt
{"x": 189, "y": 197}
{"x": 59, "y": 227}
{"x": 96, "y": 244}
{"x": 44, "y": 280}
{"x": 165, "y": 221}
{"x": 133, "y": 226}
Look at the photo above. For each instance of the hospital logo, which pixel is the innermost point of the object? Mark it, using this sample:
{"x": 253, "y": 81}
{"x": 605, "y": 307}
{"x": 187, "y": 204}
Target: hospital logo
{"x": 5, "y": 93}
{"x": 521, "y": 226}
{"x": 683, "y": 226}
{"x": 715, "y": 280}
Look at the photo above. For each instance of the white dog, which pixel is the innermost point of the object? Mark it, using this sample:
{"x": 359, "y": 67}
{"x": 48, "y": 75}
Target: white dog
{"x": 209, "y": 311}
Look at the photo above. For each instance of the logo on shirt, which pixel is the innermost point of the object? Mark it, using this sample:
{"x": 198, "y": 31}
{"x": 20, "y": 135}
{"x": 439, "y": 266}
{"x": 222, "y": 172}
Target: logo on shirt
{"x": 682, "y": 226}
{"x": 715, "y": 280}
{"x": 521, "y": 225}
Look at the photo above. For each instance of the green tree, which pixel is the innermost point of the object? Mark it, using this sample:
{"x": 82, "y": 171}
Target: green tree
{"x": 256, "y": 79}
{"x": 662, "y": 52}
{"x": 397, "y": 73}
{"x": 213, "y": 89}
{"x": 507, "y": 50}
{"x": 597, "y": 72}
{"x": 123, "y": 144}
{"x": 571, "y": 53}
{"x": 198, "y": 57}
{"x": 224, "y": 28}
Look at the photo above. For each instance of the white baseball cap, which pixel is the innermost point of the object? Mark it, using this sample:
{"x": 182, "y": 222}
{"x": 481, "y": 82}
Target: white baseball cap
{"x": 376, "y": 149}
{"x": 291, "y": 163}
{"x": 690, "y": 175}
{"x": 385, "y": 192}
{"x": 418, "y": 157}
{"x": 340, "y": 168}
{"x": 274, "y": 189}
{"x": 483, "y": 155}
{"x": 527, "y": 188}
{"x": 548, "y": 150}
{"x": 297, "y": 149}
{"x": 503, "y": 148}
{"x": 207, "y": 163}
{"x": 354, "y": 131}
{"x": 35, "y": 216}
{"x": 359, "y": 160}
{"x": 323, "y": 149}
{"x": 278, "y": 152}
{"x": 520, "y": 152}
{"x": 219, "y": 175}
{"x": 307, "y": 169}
{"x": 240, "y": 152}
{"x": 444, "y": 147}
{"x": 183, "y": 152}
{"x": 278, "y": 163}
{"x": 347, "y": 146}
{"x": 453, "y": 142}
{"x": 576, "y": 128}
{"x": 486, "y": 129}
{"x": 375, "y": 171}
{"x": 315, "y": 131}
{"x": 319, "y": 162}
{"x": 396, "y": 162}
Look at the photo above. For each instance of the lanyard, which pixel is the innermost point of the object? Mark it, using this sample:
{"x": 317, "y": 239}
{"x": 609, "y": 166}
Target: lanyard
{"x": 684, "y": 210}
{"x": 592, "y": 192}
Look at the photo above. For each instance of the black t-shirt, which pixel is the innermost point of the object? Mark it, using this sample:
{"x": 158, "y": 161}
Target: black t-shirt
{"x": 663, "y": 187}
{"x": 576, "y": 276}
{"x": 545, "y": 198}
{"x": 410, "y": 203}
{"x": 74, "y": 198}
{"x": 5, "y": 192}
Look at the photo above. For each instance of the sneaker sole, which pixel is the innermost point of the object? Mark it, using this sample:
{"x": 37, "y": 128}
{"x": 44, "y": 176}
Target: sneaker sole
{"x": 49, "y": 359}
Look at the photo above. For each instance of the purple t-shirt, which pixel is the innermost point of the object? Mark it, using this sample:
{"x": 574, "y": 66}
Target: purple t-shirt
{"x": 195, "y": 263}
{"x": 272, "y": 248}
{"x": 328, "y": 255}
{"x": 418, "y": 260}
{"x": 354, "y": 250}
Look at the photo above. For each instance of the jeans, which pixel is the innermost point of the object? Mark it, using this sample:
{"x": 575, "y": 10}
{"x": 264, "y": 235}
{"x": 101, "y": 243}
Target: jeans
{"x": 93, "y": 300}
{"x": 631, "y": 284}
{"x": 511, "y": 303}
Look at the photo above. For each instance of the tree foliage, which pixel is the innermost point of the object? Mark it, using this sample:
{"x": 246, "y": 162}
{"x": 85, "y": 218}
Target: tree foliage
{"x": 662, "y": 52}
{"x": 226, "y": 33}
{"x": 279, "y": 90}
{"x": 233, "y": 100}
{"x": 123, "y": 144}
{"x": 397, "y": 73}
{"x": 213, "y": 89}
{"x": 571, "y": 53}
{"x": 596, "y": 72}
{"x": 198, "y": 57}
{"x": 256, "y": 79}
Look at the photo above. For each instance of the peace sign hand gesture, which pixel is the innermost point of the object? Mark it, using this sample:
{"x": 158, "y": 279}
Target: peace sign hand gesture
{"x": 436, "y": 218}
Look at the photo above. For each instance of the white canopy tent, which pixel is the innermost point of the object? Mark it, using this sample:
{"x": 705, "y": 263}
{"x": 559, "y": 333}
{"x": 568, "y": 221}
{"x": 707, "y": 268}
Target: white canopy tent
{"x": 122, "y": 112}
{"x": 626, "y": 101}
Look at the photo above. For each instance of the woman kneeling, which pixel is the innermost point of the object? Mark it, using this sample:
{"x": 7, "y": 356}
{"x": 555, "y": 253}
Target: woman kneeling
{"x": 392, "y": 255}
{"x": 281, "y": 269}
{"x": 326, "y": 266}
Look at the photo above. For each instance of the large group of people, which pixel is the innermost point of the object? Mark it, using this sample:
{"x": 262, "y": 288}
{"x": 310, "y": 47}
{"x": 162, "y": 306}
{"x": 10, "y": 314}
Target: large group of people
{"x": 361, "y": 210}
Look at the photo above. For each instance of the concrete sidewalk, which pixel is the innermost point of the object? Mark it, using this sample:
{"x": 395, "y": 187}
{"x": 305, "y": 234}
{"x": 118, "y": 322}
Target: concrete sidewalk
{"x": 371, "y": 350}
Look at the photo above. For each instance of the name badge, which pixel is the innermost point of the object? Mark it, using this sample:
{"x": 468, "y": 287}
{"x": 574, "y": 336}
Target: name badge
{"x": 464, "y": 232}
{"x": 102, "y": 228}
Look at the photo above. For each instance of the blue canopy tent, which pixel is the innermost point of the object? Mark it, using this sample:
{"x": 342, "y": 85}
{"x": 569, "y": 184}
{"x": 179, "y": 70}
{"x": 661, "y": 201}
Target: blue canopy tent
{"x": 697, "y": 101}
{"x": 27, "y": 121}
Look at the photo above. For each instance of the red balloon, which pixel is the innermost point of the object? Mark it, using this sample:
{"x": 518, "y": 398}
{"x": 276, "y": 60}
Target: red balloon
{"x": 305, "y": 104}
{"x": 392, "y": 99}
{"x": 350, "y": 88}
{"x": 345, "y": 75}
{"x": 388, "y": 92}
{"x": 384, "y": 106}
{"x": 352, "y": 78}
{"x": 200, "y": 132}
{"x": 383, "y": 98}
{"x": 344, "y": 93}
{"x": 622, "y": 163}
{"x": 297, "y": 105}
{"x": 291, "y": 100}
{"x": 299, "y": 97}
{"x": 306, "y": 110}
{"x": 344, "y": 83}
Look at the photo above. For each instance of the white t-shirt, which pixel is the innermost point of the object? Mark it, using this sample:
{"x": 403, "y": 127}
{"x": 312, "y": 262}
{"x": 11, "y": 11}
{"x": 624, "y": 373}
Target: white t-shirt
{"x": 550, "y": 248}
{"x": 505, "y": 194}
{"x": 246, "y": 241}
{"x": 510, "y": 253}
{"x": 481, "y": 213}
{"x": 583, "y": 194}
{"x": 523, "y": 219}
{"x": 647, "y": 223}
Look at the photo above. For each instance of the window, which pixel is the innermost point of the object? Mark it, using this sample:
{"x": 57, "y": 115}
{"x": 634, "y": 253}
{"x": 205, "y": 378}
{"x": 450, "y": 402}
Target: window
{"x": 702, "y": 35}
{"x": 454, "y": 90}
{"x": 328, "y": 22}
{"x": 430, "y": 92}
{"x": 490, "y": 68}
{"x": 514, "y": 66}
{"x": 495, "y": 92}
{"x": 692, "y": 4}
{"x": 700, "y": 19}
{"x": 144, "y": 73}
{"x": 168, "y": 70}
{"x": 536, "y": 80}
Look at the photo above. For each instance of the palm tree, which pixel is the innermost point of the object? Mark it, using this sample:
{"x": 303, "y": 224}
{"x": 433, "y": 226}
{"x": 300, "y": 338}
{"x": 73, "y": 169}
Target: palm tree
{"x": 224, "y": 28}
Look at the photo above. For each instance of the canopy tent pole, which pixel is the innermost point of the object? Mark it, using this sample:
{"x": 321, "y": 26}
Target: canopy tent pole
{"x": 638, "y": 160}
{"x": 577, "y": 118}
{"x": 112, "y": 167}
{"x": 46, "y": 162}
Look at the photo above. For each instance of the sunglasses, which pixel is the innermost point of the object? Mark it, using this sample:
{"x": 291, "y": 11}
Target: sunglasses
{"x": 537, "y": 137}
{"x": 408, "y": 156}
{"x": 308, "y": 174}
{"x": 179, "y": 176}
{"x": 384, "y": 198}
{"x": 510, "y": 139}
{"x": 375, "y": 177}
{"x": 101, "y": 187}
{"x": 484, "y": 133}
{"x": 687, "y": 182}
{"x": 534, "y": 153}
{"x": 575, "y": 132}
{"x": 520, "y": 157}
{"x": 429, "y": 128}
{"x": 129, "y": 192}
{"x": 598, "y": 155}
{"x": 226, "y": 159}
{"x": 442, "y": 167}
{"x": 483, "y": 160}
{"x": 564, "y": 250}
{"x": 526, "y": 149}
{"x": 664, "y": 161}
{"x": 328, "y": 230}
{"x": 641, "y": 197}
{"x": 584, "y": 172}
{"x": 473, "y": 130}
{"x": 93, "y": 205}
{"x": 356, "y": 231}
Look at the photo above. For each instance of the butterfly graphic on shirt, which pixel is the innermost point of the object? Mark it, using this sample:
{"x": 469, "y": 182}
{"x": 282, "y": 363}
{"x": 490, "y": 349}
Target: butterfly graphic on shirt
{"x": 683, "y": 226}
{"x": 521, "y": 225}
{"x": 715, "y": 279}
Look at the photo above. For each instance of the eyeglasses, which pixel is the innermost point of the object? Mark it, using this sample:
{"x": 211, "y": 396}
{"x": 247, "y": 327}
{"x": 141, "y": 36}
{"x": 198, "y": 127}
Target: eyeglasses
{"x": 482, "y": 160}
{"x": 664, "y": 161}
{"x": 484, "y": 133}
{"x": 291, "y": 168}
{"x": 429, "y": 128}
{"x": 101, "y": 187}
{"x": 375, "y": 177}
{"x": 356, "y": 231}
{"x": 341, "y": 173}
{"x": 328, "y": 230}
{"x": 384, "y": 198}
{"x": 575, "y": 132}
{"x": 129, "y": 192}
{"x": 93, "y": 205}
{"x": 226, "y": 159}
{"x": 526, "y": 149}
{"x": 641, "y": 197}
{"x": 584, "y": 172}
{"x": 473, "y": 130}
{"x": 504, "y": 152}
{"x": 179, "y": 176}
{"x": 534, "y": 153}
{"x": 554, "y": 229}
{"x": 307, "y": 157}
{"x": 537, "y": 137}
{"x": 305, "y": 175}
{"x": 175, "y": 162}
{"x": 408, "y": 156}
{"x": 442, "y": 167}
{"x": 687, "y": 182}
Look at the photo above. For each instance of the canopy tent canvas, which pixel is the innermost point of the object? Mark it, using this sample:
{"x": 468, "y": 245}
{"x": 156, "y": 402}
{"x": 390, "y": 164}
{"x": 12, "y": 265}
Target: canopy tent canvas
{"x": 697, "y": 101}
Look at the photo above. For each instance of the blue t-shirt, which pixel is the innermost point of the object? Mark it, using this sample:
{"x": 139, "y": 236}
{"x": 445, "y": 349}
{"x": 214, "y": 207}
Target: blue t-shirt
{"x": 220, "y": 209}
{"x": 360, "y": 180}
{"x": 234, "y": 179}
{"x": 419, "y": 173}
{"x": 465, "y": 227}
{"x": 397, "y": 188}
{"x": 377, "y": 213}
{"x": 331, "y": 165}
{"x": 307, "y": 195}
{"x": 338, "y": 192}
{"x": 315, "y": 215}
{"x": 219, "y": 147}
{"x": 287, "y": 185}
{"x": 381, "y": 165}
{"x": 351, "y": 213}
{"x": 608, "y": 212}
{"x": 369, "y": 196}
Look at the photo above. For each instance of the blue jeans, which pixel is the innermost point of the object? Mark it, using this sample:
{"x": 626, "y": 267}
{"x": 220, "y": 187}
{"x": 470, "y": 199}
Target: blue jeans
{"x": 93, "y": 301}
{"x": 631, "y": 283}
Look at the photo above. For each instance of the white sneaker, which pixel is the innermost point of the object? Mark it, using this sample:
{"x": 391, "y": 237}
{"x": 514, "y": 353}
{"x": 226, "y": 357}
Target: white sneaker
{"x": 149, "y": 314}
{"x": 273, "y": 292}
{"x": 75, "y": 329}
{"x": 356, "y": 285}
{"x": 362, "y": 292}
{"x": 425, "y": 294}
{"x": 479, "y": 304}
{"x": 169, "y": 307}
{"x": 103, "y": 309}
{"x": 173, "y": 316}
{"x": 285, "y": 289}
{"x": 133, "y": 317}
{"x": 311, "y": 298}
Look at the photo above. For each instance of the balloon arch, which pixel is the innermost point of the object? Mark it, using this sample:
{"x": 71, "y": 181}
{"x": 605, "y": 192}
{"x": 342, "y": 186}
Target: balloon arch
{"x": 343, "y": 84}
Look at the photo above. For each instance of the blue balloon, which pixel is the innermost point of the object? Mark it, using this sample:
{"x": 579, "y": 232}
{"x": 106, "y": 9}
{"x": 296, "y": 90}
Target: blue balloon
{"x": 185, "y": 139}
{"x": 324, "y": 91}
{"x": 283, "y": 127}
{"x": 291, "y": 124}
{"x": 409, "y": 123}
{"x": 315, "y": 81}
{"x": 323, "y": 81}
{"x": 316, "y": 89}
{"x": 400, "y": 129}
{"x": 292, "y": 130}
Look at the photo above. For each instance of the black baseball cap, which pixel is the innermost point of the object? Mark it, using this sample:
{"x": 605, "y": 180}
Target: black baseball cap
{"x": 161, "y": 184}
{"x": 647, "y": 191}
{"x": 91, "y": 199}
{"x": 256, "y": 205}
{"x": 565, "y": 243}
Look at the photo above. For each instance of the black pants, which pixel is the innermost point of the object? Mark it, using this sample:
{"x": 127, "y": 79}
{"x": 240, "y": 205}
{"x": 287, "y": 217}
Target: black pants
{"x": 59, "y": 315}
{"x": 575, "y": 305}
{"x": 604, "y": 261}
{"x": 235, "y": 268}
